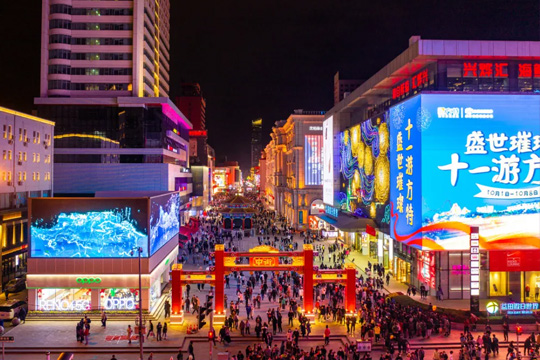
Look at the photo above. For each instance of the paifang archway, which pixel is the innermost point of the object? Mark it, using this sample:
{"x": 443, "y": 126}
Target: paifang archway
{"x": 261, "y": 258}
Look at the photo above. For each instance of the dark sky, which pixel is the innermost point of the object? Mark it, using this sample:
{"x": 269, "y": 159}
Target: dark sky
{"x": 261, "y": 58}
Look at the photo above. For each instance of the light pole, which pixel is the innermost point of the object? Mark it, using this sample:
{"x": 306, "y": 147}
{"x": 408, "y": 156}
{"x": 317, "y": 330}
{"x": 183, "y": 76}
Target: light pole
{"x": 141, "y": 341}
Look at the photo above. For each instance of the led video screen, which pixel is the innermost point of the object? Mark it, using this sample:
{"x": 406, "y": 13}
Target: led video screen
{"x": 313, "y": 159}
{"x": 460, "y": 160}
{"x": 164, "y": 220}
{"x": 328, "y": 158}
{"x": 87, "y": 227}
{"x": 365, "y": 171}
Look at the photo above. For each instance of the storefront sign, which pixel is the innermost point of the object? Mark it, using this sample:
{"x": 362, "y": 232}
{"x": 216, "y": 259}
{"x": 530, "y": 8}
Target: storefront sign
{"x": 485, "y": 69}
{"x": 417, "y": 81}
{"x": 317, "y": 207}
{"x": 492, "y": 307}
{"x": 88, "y": 280}
{"x": 120, "y": 304}
{"x": 64, "y": 305}
{"x": 517, "y": 260}
{"x": 330, "y": 234}
{"x": 520, "y": 308}
{"x": 475, "y": 269}
{"x": 315, "y": 128}
{"x": 461, "y": 270}
{"x": 263, "y": 261}
{"x": 332, "y": 211}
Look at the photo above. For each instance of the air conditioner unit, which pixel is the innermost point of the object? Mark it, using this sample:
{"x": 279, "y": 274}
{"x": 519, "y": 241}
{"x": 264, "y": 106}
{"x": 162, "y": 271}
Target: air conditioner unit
{"x": 20, "y": 162}
{"x": 25, "y": 143}
{"x": 10, "y": 142}
{"x": 9, "y": 183}
{"x": 46, "y": 147}
{"x": 20, "y": 183}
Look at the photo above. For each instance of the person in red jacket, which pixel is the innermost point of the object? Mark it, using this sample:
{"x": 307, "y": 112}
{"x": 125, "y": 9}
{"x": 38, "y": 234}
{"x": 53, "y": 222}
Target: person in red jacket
{"x": 326, "y": 335}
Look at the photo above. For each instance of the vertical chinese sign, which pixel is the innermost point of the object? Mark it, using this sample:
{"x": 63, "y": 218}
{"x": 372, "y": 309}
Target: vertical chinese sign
{"x": 405, "y": 184}
{"x": 475, "y": 269}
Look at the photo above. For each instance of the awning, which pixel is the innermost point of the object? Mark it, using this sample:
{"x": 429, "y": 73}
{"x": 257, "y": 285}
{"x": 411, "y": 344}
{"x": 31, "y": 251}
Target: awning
{"x": 348, "y": 223}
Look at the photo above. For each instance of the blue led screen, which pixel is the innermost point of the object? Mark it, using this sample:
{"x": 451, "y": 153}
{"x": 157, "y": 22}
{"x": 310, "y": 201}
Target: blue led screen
{"x": 164, "y": 220}
{"x": 460, "y": 160}
{"x": 87, "y": 228}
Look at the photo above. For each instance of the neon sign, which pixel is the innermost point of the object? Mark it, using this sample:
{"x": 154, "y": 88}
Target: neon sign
{"x": 120, "y": 304}
{"x": 484, "y": 69}
{"x": 86, "y": 280}
{"x": 332, "y": 211}
{"x": 416, "y": 81}
{"x": 64, "y": 305}
{"x": 263, "y": 261}
{"x": 519, "y": 308}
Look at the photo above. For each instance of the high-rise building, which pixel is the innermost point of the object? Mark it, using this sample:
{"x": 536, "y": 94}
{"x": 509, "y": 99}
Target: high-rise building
{"x": 105, "y": 48}
{"x": 256, "y": 141}
{"x": 105, "y": 82}
{"x": 193, "y": 105}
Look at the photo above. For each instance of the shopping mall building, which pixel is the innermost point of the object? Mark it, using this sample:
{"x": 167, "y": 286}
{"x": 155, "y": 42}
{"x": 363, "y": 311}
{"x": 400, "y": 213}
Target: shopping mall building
{"x": 84, "y": 251}
{"x": 443, "y": 139}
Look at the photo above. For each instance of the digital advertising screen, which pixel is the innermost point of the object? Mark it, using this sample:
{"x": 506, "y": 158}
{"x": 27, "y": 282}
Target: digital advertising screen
{"x": 313, "y": 159}
{"x": 473, "y": 160}
{"x": 328, "y": 157}
{"x": 365, "y": 170}
{"x": 87, "y": 227}
{"x": 164, "y": 220}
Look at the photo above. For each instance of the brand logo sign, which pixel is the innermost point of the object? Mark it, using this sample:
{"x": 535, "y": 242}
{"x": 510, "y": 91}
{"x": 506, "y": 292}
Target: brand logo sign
{"x": 332, "y": 211}
{"x": 492, "y": 307}
{"x": 120, "y": 304}
{"x": 64, "y": 305}
{"x": 88, "y": 280}
{"x": 519, "y": 308}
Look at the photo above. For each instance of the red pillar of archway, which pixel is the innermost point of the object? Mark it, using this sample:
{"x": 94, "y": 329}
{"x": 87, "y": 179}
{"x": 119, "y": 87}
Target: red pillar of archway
{"x": 308, "y": 278}
{"x": 350, "y": 288}
{"x": 177, "y": 313}
{"x": 219, "y": 282}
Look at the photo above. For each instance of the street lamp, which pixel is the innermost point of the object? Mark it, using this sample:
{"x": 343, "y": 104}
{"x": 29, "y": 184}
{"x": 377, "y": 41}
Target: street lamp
{"x": 139, "y": 251}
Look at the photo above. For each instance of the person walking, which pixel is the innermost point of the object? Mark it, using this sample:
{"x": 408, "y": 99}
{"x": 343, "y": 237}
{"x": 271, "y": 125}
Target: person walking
{"x": 129, "y": 332}
{"x": 159, "y": 328}
{"x": 150, "y": 330}
{"x": 165, "y": 331}
{"x": 104, "y": 319}
{"x": 326, "y": 336}
{"x": 167, "y": 308}
{"x": 180, "y": 355}
{"x": 86, "y": 334}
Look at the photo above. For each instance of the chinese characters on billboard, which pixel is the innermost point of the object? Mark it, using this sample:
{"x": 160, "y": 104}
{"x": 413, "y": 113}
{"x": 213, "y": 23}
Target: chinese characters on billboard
{"x": 479, "y": 166}
{"x": 313, "y": 159}
{"x": 328, "y": 157}
{"x": 365, "y": 170}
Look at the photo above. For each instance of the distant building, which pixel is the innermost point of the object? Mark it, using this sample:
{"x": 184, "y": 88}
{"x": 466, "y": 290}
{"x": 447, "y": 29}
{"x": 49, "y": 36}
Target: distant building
{"x": 343, "y": 87}
{"x": 26, "y": 171}
{"x": 193, "y": 105}
{"x": 256, "y": 141}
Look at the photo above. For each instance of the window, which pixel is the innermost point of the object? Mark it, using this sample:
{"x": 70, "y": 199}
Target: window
{"x": 38, "y": 138}
{"x": 37, "y": 157}
{"x": 5, "y": 131}
{"x": 59, "y": 39}
{"x": 20, "y": 156}
{"x": 10, "y": 133}
{"x": 47, "y": 159}
{"x": 25, "y": 135}
{"x": 59, "y": 54}
{"x": 59, "y": 24}
{"x": 20, "y": 175}
{"x": 9, "y": 155}
{"x": 24, "y": 176}
{"x": 4, "y": 177}
{"x": 9, "y": 176}
{"x": 37, "y": 176}
{"x": 24, "y": 156}
{"x": 34, "y": 176}
{"x": 20, "y": 134}
{"x": 4, "y": 155}
{"x": 60, "y": 9}
{"x": 33, "y": 157}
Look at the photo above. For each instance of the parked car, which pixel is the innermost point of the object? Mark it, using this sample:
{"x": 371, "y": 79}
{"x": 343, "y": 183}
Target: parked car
{"x": 11, "y": 309}
{"x": 15, "y": 285}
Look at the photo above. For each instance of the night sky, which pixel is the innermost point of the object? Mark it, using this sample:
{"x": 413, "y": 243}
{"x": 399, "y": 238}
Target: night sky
{"x": 266, "y": 58}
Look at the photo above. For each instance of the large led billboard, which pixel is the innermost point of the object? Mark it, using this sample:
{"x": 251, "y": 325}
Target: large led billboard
{"x": 88, "y": 228}
{"x": 365, "y": 170}
{"x": 328, "y": 158}
{"x": 313, "y": 159}
{"x": 460, "y": 160}
{"x": 164, "y": 220}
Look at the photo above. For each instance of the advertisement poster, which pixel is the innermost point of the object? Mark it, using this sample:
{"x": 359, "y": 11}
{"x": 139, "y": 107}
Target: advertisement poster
{"x": 365, "y": 171}
{"x": 313, "y": 159}
{"x": 88, "y": 227}
{"x": 164, "y": 220}
{"x": 328, "y": 157}
{"x": 475, "y": 161}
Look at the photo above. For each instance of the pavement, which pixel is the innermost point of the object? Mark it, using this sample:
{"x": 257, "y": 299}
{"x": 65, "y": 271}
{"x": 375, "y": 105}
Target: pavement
{"x": 34, "y": 338}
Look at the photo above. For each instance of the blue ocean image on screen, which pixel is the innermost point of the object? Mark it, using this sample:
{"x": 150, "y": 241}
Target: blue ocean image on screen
{"x": 164, "y": 222}
{"x": 93, "y": 234}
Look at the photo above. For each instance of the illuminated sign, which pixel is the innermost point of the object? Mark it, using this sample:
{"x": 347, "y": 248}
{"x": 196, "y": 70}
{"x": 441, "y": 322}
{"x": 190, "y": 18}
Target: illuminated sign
{"x": 474, "y": 266}
{"x": 64, "y": 305}
{"x": 198, "y": 133}
{"x": 492, "y": 307}
{"x": 485, "y": 69}
{"x": 330, "y": 234}
{"x": 528, "y": 70}
{"x": 317, "y": 207}
{"x": 417, "y": 81}
{"x": 328, "y": 158}
{"x": 263, "y": 261}
{"x": 120, "y": 304}
{"x": 87, "y": 280}
{"x": 315, "y": 128}
{"x": 520, "y": 308}
{"x": 332, "y": 211}
{"x": 426, "y": 268}
{"x": 313, "y": 159}
{"x": 460, "y": 270}
{"x": 482, "y": 152}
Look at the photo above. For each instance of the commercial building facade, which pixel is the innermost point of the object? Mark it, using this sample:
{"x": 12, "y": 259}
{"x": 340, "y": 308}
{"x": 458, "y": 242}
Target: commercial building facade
{"x": 293, "y": 161}
{"x": 441, "y": 141}
{"x": 85, "y": 270}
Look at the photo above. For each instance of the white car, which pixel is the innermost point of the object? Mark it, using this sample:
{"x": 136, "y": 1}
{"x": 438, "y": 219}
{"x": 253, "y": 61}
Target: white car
{"x": 11, "y": 309}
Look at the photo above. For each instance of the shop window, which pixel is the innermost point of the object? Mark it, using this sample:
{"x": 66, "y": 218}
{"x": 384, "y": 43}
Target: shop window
{"x": 64, "y": 299}
{"x": 532, "y": 280}
{"x": 498, "y": 283}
